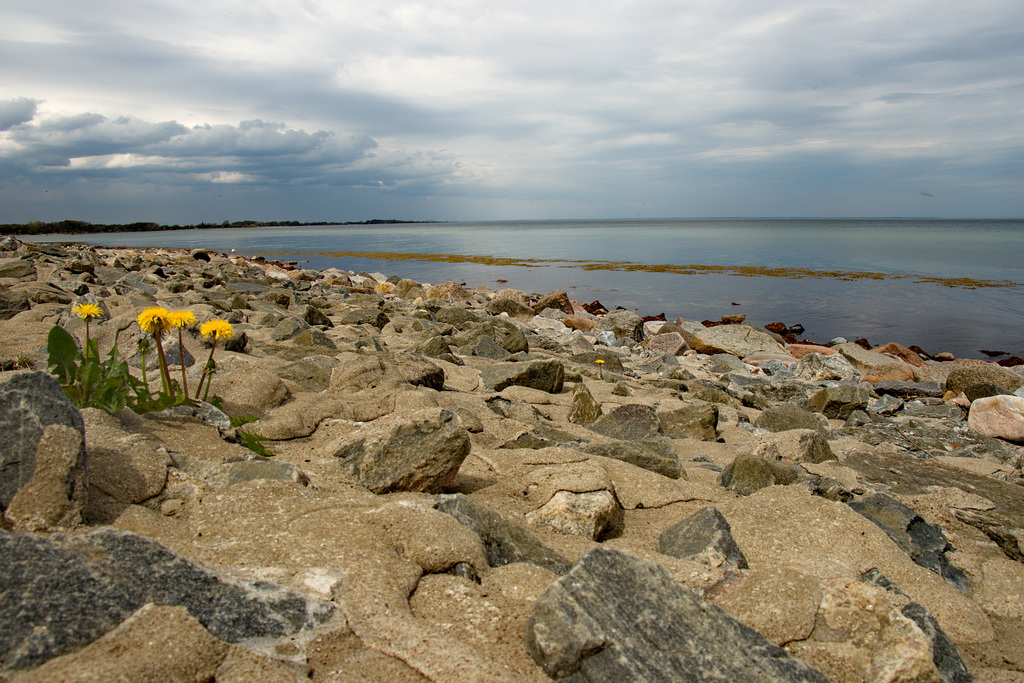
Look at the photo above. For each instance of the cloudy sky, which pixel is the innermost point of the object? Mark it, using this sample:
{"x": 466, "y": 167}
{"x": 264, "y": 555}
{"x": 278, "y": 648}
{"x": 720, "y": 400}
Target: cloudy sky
{"x": 182, "y": 112}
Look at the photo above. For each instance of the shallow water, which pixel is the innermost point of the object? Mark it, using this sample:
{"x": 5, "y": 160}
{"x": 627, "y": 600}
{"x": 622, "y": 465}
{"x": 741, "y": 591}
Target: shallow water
{"x": 909, "y": 281}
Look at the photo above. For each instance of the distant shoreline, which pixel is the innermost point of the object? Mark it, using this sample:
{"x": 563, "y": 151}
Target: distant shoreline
{"x": 72, "y": 227}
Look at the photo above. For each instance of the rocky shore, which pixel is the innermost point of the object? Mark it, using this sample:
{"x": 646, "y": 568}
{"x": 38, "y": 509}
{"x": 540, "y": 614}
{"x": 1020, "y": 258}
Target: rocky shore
{"x": 476, "y": 485}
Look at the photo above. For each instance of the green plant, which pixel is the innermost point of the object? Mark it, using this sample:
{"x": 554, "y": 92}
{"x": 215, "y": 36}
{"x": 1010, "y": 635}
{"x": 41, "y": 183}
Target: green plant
{"x": 254, "y": 442}
{"x": 93, "y": 383}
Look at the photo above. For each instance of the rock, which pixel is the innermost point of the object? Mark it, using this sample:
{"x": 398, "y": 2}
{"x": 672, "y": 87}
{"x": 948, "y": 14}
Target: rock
{"x": 289, "y": 328}
{"x": 817, "y": 368}
{"x": 584, "y": 409}
{"x": 748, "y": 473}
{"x": 695, "y": 421}
{"x": 588, "y": 514}
{"x": 905, "y": 389}
{"x": 107, "y": 575}
{"x": 314, "y": 316}
{"x": 17, "y": 268}
{"x": 511, "y": 307}
{"x": 312, "y": 373}
{"x": 449, "y": 290}
{"x": 630, "y": 422}
{"x": 456, "y": 315}
{"x": 313, "y": 338}
{"x": 12, "y": 303}
{"x": 963, "y": 377}
{"x": 874, "y": 366}
{"x": 125, "y": 466}
{"x": 998, "y": 416}
{"x": 655, "y": 454}
{"x": 861, "y": 635}
{"x": 578, "y": 322}
{"x": 544, "y": 375}
{"x": 248, "y": 470}
{"x": 705, "y": 536}
{"x": 358, "y": 372}
{"x": 178, "y": 355}
{"x": 409, "y": 289}
{"x": 421, "y": 451}
{"x": 484, "y": 347}
{"x": 840, "y": 401}
{"x": 367, "y": 315}
{"x": 786, "y": 416}
{"x": 924, "y": 542}
{"x": 737, "y": 340}
{"x": 53, "y": 498}
{"x": 619, "y": 618}
{"x": 802, "y": 445}
{"x": 671, "y": 343}
{"x": 505, "y": 542}
{"x": 504, "y": 333}
{"x": 623, "y": 324}
{"x": 557, "y": 300}
{"x": 156, "y": 643}
{"x": 29, "y": 402}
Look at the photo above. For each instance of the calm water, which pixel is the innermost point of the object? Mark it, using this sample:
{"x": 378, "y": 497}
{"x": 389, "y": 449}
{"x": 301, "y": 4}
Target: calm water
{"x": 619, "y": 263}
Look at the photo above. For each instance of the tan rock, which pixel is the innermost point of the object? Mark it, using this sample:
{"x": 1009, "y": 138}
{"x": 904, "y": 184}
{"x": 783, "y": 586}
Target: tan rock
{"x": 778, "y": 602}
{"x": 53, "y": 498}
{"x": 157, "y": 644}
{"x": 999, "y": 416}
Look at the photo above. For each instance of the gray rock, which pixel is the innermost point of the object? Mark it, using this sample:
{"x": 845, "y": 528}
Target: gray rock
{"x": 818, "y": 367}
{"x": 544, "y": 375}
{"x": 557, "y": 300}
{"x": 177, "y": 355}
{"x": 94, "y": 582}
{"x": 737, "y": 340}
{"x": 619, "y": 618}
{"x": 314, "y": 316}
{"x": 785, "y": 416}
{"x": 584, "y": 409}
{"x": 963, "y": 377}
{"x": 907, "y": 389}
{"x": 456, "y": 315}
{"x": 802, "y": 445}
{"x": 653, "y": 453}
{"x": 418, "y": 452}
{"x": 313, "y": 338}
{"x": 504, "y": 333}
{"x": 17, "y": 268}
{"x": 369, "y": 315}
{"x": 623, "y": 324}
{"x": 484, "y": 347}
{"x": 839, "y": 401}
{"x": 289, "y": 328}
{"x": 630, "y": 422}
{"x": 504, "y": 541}
{"x": 696, "y": 421}
{"x": 28, "y": 403}
{"x": 924, "y": 542}
{"x": 12, "y": 303}
{"x": 515, "y": 309}
{"x": 704, "y": 535}
{"x": 749, "y": 473}
{"x": 247, "y": 470}
{"x": 312, "y": 373}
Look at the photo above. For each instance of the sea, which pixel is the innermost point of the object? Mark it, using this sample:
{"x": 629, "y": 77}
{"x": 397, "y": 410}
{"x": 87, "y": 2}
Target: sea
{"x": 944, "y": 285}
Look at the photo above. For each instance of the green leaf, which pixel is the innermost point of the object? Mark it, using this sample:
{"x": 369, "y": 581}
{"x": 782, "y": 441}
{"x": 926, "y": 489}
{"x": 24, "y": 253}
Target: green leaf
{"x": 63, "y": 354}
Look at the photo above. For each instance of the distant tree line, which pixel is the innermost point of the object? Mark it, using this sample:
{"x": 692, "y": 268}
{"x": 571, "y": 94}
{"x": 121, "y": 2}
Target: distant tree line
{"x": 69, "y": 227}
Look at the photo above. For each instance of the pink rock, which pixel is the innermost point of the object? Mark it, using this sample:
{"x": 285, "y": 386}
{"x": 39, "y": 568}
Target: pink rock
{"x": 998, "y": 416}
{"x": 901, "y": 352}
{"x": 798, "y": 351}
{"x": 672, "y": 343}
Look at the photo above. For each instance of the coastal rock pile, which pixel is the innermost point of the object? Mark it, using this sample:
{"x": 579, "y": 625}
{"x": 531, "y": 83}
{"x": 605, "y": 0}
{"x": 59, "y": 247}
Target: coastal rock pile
{"x": 467, "y": 485}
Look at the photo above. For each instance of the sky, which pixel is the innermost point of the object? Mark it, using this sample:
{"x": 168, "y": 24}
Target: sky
{"x": 315, "y": 110}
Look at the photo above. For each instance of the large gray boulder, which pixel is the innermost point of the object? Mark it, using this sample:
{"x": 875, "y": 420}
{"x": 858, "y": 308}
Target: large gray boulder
{"x": 624, "y": 324}
{"x": 631, "y": 422}
{"x": 95, "y": 582}
{"x": 421, "y": 451}
{"x": 29, "y": 401}
{"x": 614, "y": 617}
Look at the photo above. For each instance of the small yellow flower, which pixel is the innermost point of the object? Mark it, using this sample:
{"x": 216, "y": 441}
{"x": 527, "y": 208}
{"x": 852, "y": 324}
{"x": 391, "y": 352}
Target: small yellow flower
{"x": 154, "y": 320}
{"x": 181, "y": 318}
{"x": 599, "y": 361}
{"x": 86, "y": 311}
{"x": 218, "y": 329}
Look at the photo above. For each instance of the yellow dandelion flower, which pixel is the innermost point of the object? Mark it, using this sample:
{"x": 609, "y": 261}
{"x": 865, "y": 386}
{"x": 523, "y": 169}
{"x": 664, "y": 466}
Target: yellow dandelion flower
{"x": 599, "y": 361}
{"x": 86, "y": 311}
{"x": 154, "y": 320}
{"x": 181, "y": 318}
{"x": 218, "y": 329}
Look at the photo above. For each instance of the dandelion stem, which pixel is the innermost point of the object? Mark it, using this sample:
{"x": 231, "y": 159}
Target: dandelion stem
{"x": 181, "y": 356}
